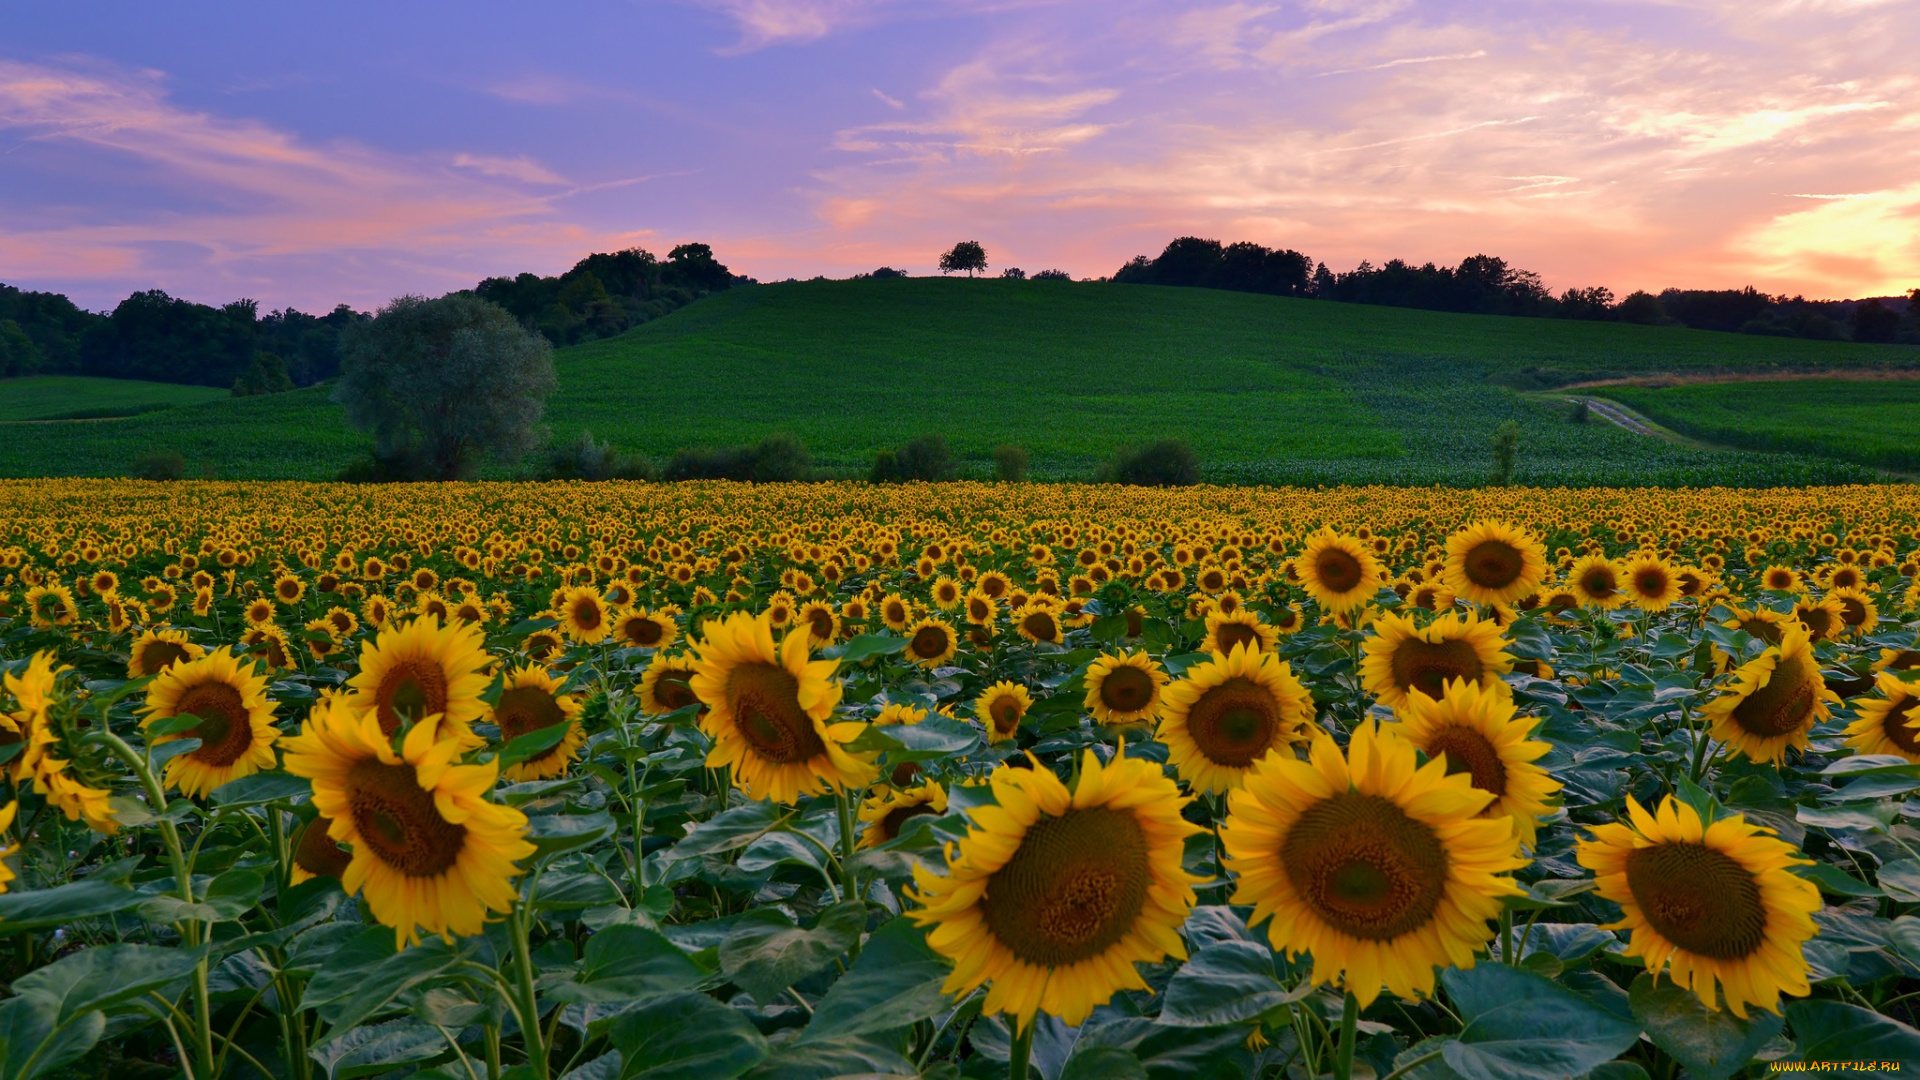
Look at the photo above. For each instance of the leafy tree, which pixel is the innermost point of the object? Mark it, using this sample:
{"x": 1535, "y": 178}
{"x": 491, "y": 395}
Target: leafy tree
{"x": 18, "y": 354}
{"x": 1874, "y": 321}
{"x": 883, "y": 272}
{"x": 585, "y": 459}
{"x": 1014, "y": 273}
{"x": 1506, "y": 448}
{"x": 1167, "y": 463}
{"x": 1010, "y": 463}
{"x": 441, "y": 384}
{"x": 966, "y": 255}
{"x": 773, "y": 459}
{"x": 266, "y": 375}
{"x": 925, "y": 458}
{"x": 1053, "y": 275}
{"x": 159, "y": 465}
{"x": 1641, "y": 307}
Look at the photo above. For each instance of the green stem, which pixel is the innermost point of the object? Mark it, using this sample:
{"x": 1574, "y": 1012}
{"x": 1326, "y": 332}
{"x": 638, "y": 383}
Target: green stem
{"x": 1343, "y": 1056}
{"x": 1412, "y": 1065}
{"x": 526, "y": 1007}
{"x": 1506, "y": 937}
{"x": 850, "y": 878}
{"x": 967, "y": 1006}
{"x": 1022, "y": 1049}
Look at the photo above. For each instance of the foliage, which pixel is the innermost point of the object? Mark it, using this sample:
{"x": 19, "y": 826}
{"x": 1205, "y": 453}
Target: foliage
{"x": 75, "y": 397}
{"x": 159, "y": 465}
{"x": 440, "y": 384}
{"x": 966, "y": 255}
{"x": 266, "y": 375}
{"x": 773, "y": 459}
{"x": 1166, "y": 463}
{"x": 608, "y": 293}
{"x": 924, "y": 458}
{"x": 1243, "y": 267}
{"x": 585, "y": 459}
{"x": 1506, "y": 447}
{"x": 1010, "y": 463}
{"x": 1869, "y": 422}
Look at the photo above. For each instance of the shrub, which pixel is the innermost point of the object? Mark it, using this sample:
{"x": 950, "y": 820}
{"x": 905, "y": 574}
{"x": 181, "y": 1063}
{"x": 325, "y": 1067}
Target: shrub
{"x": 1167, "y": 463}
{"x": 266, "y": 375}
{"x": 585, "y": 459}
{"x": 159, "y": 465}
{"x": 925, "y": 458}
{"x": 1010, "y": 463}
{"x": 773, "y": 459}
{"x": 1053, "y": 275}
{"x": 886, "y": 468}
{"x": 1506, "y": 447}
{"x": 1581, "y": 413}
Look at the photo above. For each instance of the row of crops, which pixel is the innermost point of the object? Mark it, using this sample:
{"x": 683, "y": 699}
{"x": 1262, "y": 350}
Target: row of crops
{"x": 802, "y": 781}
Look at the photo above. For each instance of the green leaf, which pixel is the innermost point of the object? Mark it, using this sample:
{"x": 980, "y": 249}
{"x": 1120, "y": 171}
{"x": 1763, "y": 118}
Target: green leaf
{"x": 864, "y": 647}
{"x": 1173, "y": 1053}
{"x": 1103, "y": 1063}
{"x": 173, "y": 725}
{"x": 553, "y": 834}
{"x": 380, "y": 1048}
{"x": 362, "y": 976}
{"x": 1835, "y": 1031}
{"x": 1618, "y": 1070}
{"x": 1834, "y": 881}
{"x": 832, "y": 1059}
{"x": 1900, "y": 879}
{"x": 933, "y": 738}
{"x": 685, "y": 1036}
{"x": 107, "y": 975}
{"x": 1713, "y": 1045}
{"x": 566, "y": 891}
{"x": 1845, "y": 817}
{"x": 63, "y": 905}
{"x": 1520, "y": 1026}
{"x": 532, "y": 744}
{"x": 736, "y": 828}
{"x": 32, "y": 1043}
{"x": 234, "y": 893}
{"x": 261, "y": 788}
{"x": 166, "y": 752}
{"x": 765, "y": 953}
{"x": 896, "y": 982}
{"x": 626, "y": 963}
{"x": 1227, "y": 983}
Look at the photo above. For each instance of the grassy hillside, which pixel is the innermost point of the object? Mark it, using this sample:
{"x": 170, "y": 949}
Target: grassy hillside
{"x": 66, "y": 397}
{"x": 1264, "y": 388}
{"x": 1874, "y": 422}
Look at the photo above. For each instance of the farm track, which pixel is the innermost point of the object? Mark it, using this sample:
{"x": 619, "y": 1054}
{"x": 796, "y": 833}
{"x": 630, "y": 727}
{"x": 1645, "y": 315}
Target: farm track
{"x": 1669, "y": 379}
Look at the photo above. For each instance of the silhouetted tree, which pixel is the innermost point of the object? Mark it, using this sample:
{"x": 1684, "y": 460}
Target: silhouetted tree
{"x": 1640, "y": 307}
{"x": 266, "y": 375}
{"x": 966, "y": 255}
{"x": 1874, "y": 321}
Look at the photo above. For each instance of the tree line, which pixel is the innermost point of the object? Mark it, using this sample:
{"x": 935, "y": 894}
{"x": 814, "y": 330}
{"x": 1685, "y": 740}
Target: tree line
{"x": 153, "y": 336}
{"x": 1488, "y": 285}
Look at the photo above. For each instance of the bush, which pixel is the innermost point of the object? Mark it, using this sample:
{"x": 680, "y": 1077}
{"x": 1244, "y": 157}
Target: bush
{"x": 771, "y": 460}
{"x": 925, "y": 458}
{"x": 1581, "y": 413}
{"x": 886, "y": 468}
{"x": 1506, "y": 447}
{"x": 266, "y": 375}
{"x": 1010, "y": 464}
{"x": 585, "y": 459}
{"x": 1167, "y": 463}
{"x": 159, "y": 465}
{"x": 1053, "y": 275}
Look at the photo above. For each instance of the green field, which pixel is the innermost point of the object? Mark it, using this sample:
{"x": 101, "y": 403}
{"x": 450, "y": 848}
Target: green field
{"x": 67, "y": 397}
{"x": 1265, "y": 389}
{"x": 1873, "y": 422}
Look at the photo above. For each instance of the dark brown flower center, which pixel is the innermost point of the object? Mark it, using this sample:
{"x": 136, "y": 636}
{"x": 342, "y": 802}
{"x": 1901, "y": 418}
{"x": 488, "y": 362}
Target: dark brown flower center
{"x": 767, "y": 712}
{"x": 1364, "y": 866}
{"x": 155, "y": 656}
{"x": 1468, "y": 751}
{"x": 1817, "y": 620}
{"x": 1228, "y": 634}
{"x": 1338, "y": 571}
{"x": 1041, "y": 625}
{"x": 527, "y": 708}
{"x": 1895, "y": 725}
{"x": 586, "y": 613}
{"x": 896, "y": 817}
{"x": 1426, "y": 666}
{"x": 1494, "y": 564}
{"x": 1650, "y": 582}
{"x": 225, "y": 731}
{"x": 412, "y": 690}
{"x": 316, "y": 853}
{"x": 928, "y": 642}
{"x": 1700, "y": 899}
{"x": 1235, "y": 723}
{"x": 1126, "y": 689}
{"x": 1784, "y": 704}
{"x": 1006, "y": 712}
{"x": 1073, "y": 889}
{"x": 674, "y": 690}
{"x": 1768, "y": 632}
{"x": 1599, "y": 583}
{"x": 1904, "y": 660}
{"x": 398, "y": 822}
{"x": 1852, "y": 611}
{"x": 820, "y": 625}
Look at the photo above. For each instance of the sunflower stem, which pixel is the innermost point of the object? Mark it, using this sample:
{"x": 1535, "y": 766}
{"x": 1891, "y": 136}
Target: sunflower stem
{"x": 846, "y": 801}
{"x": 1343, "y": 1054}
{"x": 1022, "y": 1051}
{"x": 527, "y": 1007}
{"x": 1506, "y": 937}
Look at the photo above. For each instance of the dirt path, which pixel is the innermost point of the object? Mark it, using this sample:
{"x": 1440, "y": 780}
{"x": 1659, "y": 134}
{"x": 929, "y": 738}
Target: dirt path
{"x": 1670, "y": 379}
{"x": 1618, "y": 416}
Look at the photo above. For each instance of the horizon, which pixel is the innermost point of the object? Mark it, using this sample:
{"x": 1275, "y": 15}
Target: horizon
{"x": 1635, "y": 145}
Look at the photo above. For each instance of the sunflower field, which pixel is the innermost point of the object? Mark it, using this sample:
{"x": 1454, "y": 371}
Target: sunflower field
{"x": 705, "y": 781}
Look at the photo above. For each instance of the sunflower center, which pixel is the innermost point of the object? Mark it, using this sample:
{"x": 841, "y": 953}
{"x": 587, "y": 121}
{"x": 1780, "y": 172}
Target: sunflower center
{"x": 766, "y": 709}
{"x": 1760, "y": 628}
{"x": 1468, "y": 751}
{"x": 1427, "y": 665}
{"x": 225, "y": 731}
{"x": 896, "y": 817}
{"x": 1819, "y": 621}
{"x": 1365, "y": 867}
{"x": 1700, "y": 899}
{"x": 1599, "y": 583}
{"x": 1006, "y": 714}
{"x": 527, "y": 708}
{"x": 1650, "y": 582}
{"x": 1234, "y": 723}
{"x": 1896, "y": 727}
{"x": 1339, "y": 572}
{"x": 928, "y": 642}
{"x": 398, "y": 821}
{"x": 1494, "y": 564}
{"x": 1227, "y": 635}
{"x": 1039, "y": 624}
{"x": 644, "y": 632}
{"x": 1904, "y": 660}
{"x": 1784, "y": 704}
{"x": 1126, "y": 689}
{"x": 586, "y": 613}
{"x": 1852, "y": 611}
{"x": 411, "y": 692}
{"x": 316, "y": 853}
{"x": 158, "y": 655}
{"x": 674, "y": 689}
{"x": 1073, "y": 889}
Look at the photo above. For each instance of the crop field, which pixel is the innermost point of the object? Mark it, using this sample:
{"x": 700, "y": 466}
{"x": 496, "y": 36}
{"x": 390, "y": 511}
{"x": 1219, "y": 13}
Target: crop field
{"x": 817, "y": 780}
{"x": 1876, "y": 423}
{"x": 1265, "y": 389}
{"x": 79, "y": 397}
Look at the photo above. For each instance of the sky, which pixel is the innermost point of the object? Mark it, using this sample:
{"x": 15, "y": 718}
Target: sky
{"x": 349, "y": 152}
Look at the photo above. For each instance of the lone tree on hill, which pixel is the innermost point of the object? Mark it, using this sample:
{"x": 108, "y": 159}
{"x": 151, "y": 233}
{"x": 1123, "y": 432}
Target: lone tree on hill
{"x": 966, "y": 255}
{"x": 439, "y": 384}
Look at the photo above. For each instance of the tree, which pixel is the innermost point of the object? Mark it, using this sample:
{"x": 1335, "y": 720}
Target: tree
{"x": 1014, "y": 273}
{"x": 1506, "y": 447}
{"x": 441, "y": 384}
{"x": 18, "y": 354}
{"x": 266, "y": 375}
{"x": 966, "y": 255}
{"x": 1640, "y": 307}
{"x": 1010, "y": 463}
{"x": 1875, "y": 321}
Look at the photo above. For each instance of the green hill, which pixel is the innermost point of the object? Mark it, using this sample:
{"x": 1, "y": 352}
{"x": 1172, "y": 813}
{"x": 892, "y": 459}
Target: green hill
{"x": 79, "y": 397}
{"x": 1264, "y": 388}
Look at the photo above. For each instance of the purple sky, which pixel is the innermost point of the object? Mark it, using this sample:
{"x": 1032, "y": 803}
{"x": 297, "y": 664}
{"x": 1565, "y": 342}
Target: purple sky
{"x": 307, "y": 154}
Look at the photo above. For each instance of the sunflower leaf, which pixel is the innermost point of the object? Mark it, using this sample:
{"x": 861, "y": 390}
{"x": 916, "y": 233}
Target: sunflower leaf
{"x": 532, "y": 744}
{"x": 895, "y": 983}
{"x": 1835, "y": 1031}
{"x": 686, "y": 1036}
{"x": 64, "y": 905}
{"x": 1521, "y": 1026}
{"x": 864, "y": 647}
{"x": 1711, "y": 1044}
{"x": 765, "y": 953}
{"x": 1227, "y": 983}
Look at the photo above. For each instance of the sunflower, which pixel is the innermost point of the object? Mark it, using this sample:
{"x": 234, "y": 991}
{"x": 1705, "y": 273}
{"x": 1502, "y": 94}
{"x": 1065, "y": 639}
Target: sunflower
{"x": 1858, "y": 613}
{"x": 1897, "y": 660}
{"x": 1339, "y": 572}
{"x": 49, "y": 606}
{"x": 1402, "y": 658}
{"x": 1491, "y": 562}
{"x": 1054, "y": 895}
{"x": 289, "y": 588}
{"x": 1823, "y": 619}
{"x": 932, "y": 642}
{"x": 1890, "y": 723}
{"x": 768, "y": 712}
{"x": 946, "y": 593}
{"x": 430, "y": 851}
{"x": 1382, "y": 869}
{"x": 1242, "y": 627}
{"x": 236, "y": 729}
{"x": 887, "y": 810}
{"x": 1476, "y": 730}
{"x": 1653, "y": 584}
{"x": 154, "y": 650}
{"x": 583, "y": 615}
{"x": 1763, "y": 623}
{"x": 1039, "y": 622}
{"x": 1719, "y": 903}
{"x": 259, "y": 612}
{"x": 1781, "y": 579}
{"x": 1228, "y": 713}
{"x": 821, "y": 622}
{"x": 667, "y": 684}
{"x": 981, "y": 609}
{"x": 897, "y": 713}
{"x": 543, "y": 645}
{"x": 1001, "y": 708}
{"x": 1124, "y": 688}
{"x": 895, "y": 612}
{"x": 376, "y": 609}
{"x": 530, "y": 700}
{"x": 1596, "y": 581}
{"x": 414, "y": 670}
{"x": 1775, "y": 699}
{"x": 315, "y": 854}
{"x": 7, "y": 813}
